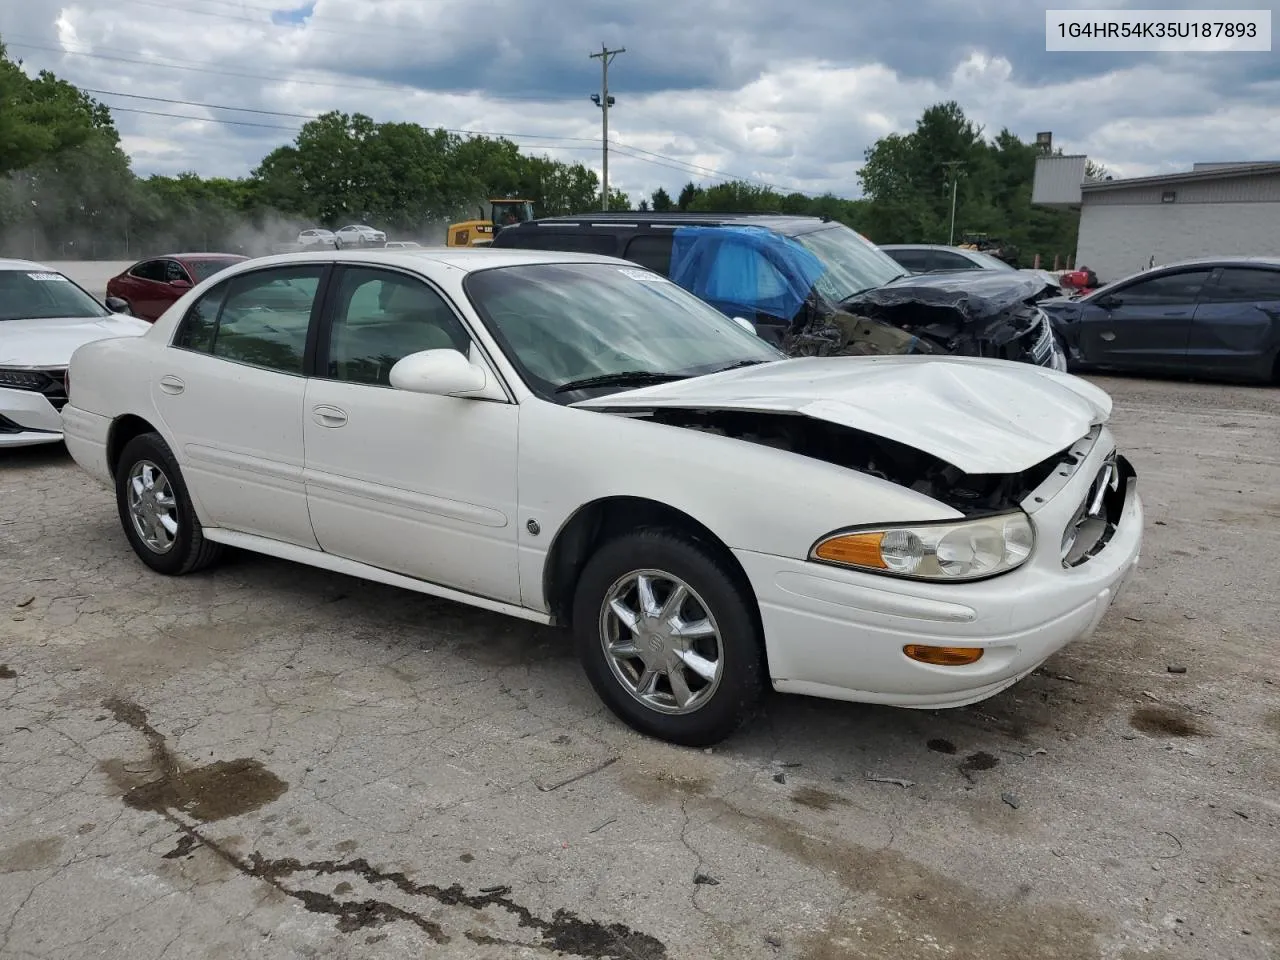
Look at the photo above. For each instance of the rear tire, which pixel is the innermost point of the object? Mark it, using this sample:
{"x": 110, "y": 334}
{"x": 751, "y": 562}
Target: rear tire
{"x": 156, "y": 511}
{"x": 687, "y": 669}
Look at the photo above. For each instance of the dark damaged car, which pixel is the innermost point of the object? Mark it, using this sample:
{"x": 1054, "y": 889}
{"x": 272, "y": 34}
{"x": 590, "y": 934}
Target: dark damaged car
{"x": 814, "y": 287}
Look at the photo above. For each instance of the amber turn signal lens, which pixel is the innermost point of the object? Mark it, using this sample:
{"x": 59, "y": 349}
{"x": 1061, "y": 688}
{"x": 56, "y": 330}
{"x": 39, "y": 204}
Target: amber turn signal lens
{"x": 943, "y": 656}
{"x": 855, "y": 549}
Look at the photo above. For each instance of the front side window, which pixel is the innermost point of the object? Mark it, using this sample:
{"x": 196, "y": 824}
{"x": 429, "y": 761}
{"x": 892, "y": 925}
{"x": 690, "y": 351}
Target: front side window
{"x": 173, "y": 271}
{"x": 44, "y": 295}
{"x": 379, "y": 318}
{"x": 1171, "y": 289}
{"x": 561, "y": 323}
{"x": 853, "y": 264}
{"x": 259, "y": 318}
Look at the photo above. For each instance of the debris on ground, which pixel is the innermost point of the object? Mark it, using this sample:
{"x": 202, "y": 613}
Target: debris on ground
{"x": 706, "y": 880}
{"x": 1176, "y": 669}
{"x": 25, "y": 603}
{"x": 895, "y": 781}
{"x": 1011, "y": 799}
{"x": 779, "y": 778}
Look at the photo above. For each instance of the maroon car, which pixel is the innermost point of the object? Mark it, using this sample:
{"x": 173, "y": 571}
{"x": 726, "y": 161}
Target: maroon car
{"x": 149, "y": 286}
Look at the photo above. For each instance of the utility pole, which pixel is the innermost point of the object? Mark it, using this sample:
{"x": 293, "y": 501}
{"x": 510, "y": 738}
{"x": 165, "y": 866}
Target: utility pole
{"x": 954, "y": 166}
{"x": 604, "y": 102}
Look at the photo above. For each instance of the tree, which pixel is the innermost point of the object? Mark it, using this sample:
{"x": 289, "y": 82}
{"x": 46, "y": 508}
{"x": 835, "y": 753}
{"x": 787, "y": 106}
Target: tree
{"x": 661, "y": 201}
{"x": 43, "y": 117}
{"x": 688, "y": 195}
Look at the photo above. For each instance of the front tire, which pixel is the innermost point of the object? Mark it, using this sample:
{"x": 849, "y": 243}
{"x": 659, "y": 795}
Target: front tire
{"x": 156, "y": 512}
{"x": 669, "y": 637}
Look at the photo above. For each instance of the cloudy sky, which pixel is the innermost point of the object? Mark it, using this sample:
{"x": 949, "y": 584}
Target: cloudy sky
{"x": 782, "y": 93}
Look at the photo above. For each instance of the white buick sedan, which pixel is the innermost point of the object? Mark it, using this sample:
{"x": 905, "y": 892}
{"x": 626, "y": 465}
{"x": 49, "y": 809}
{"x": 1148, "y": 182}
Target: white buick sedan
{"x": 575, "y": 440}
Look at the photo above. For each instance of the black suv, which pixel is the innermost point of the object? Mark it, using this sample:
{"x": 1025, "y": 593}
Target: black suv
{"x": 813, "y": 286}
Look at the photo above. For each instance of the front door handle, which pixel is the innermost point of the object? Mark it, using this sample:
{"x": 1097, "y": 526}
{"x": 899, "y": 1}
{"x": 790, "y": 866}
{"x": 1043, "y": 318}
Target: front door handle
{"x": 328, "y": 416}
{"x": 1107, "y": 336}
{"x": 172, "y": 385}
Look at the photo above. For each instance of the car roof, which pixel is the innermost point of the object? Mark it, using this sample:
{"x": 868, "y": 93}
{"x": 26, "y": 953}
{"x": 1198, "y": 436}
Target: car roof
{"x": 465, "y": 259}
{"x": 27, "y": 265}
{"x": 786, "y": 224}
{"x": 924, "y": 246}
{"x": 196, "y": 256}
{"x": 1273, "y": 262}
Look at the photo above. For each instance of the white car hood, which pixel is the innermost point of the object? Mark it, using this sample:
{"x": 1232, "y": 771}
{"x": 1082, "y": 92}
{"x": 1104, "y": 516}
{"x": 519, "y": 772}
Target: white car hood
{"x": 982, "y": 416}
{"x": 50, "y": 343}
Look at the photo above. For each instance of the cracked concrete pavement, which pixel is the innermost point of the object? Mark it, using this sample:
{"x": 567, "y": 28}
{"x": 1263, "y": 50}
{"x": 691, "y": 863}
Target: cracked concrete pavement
{"x": 272, "y": 761}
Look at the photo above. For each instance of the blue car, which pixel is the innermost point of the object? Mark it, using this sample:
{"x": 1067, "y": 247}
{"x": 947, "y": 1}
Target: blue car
{"x": 1215, "y": 318}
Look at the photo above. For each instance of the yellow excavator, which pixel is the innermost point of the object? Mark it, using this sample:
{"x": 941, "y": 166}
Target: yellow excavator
{"x": 503, "y": 211}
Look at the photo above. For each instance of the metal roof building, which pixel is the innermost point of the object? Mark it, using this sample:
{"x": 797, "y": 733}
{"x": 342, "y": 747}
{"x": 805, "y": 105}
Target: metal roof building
{"x": 1212, "y": 210}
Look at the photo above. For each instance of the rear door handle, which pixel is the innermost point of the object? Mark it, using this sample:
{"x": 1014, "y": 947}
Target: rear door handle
{"x": 1107, "y": 336}
{"x": 172, "y": 385}
{"x": 328, "y": 416}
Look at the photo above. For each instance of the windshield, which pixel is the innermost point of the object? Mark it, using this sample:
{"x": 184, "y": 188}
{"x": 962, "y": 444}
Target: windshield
{"x": 853, "y": 264}
{"x": 987, "y": 261}
{"x": 44, "y": 295}
{"x": 204, "y": 269}
{"x": 561, "y": 323}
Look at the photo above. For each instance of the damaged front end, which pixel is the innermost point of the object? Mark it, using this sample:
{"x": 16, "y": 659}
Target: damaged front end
{"x": 970, "y": 494}
{"x": 977, "y": 314}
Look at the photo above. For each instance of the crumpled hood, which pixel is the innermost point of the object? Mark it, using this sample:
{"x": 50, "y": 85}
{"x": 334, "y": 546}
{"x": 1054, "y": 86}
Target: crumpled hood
{"x": 982, "y": 416}
{"x": 50, "y": 343}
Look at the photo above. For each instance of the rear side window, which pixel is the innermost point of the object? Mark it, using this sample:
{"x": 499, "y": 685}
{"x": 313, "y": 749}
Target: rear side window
{"x": 1245, "y": 285}
{"x": 149, "y": 270}
{"x": 651, "y": 251}
{"x": 916, "y": 260}
{"x": 260, "y": 318}
{"x": 945, "y": 260}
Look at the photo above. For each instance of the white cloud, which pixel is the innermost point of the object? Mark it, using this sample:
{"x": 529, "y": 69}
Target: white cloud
{"x": 789, "y": 95}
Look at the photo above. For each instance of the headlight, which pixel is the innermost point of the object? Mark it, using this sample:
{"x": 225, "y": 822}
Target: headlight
{"x": 964, "y": 550}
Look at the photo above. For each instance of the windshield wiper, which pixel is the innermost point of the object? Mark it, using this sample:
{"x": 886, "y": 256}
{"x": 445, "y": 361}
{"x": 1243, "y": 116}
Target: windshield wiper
{"x": 737, "y": 364}
{"x": 624, "y": 378}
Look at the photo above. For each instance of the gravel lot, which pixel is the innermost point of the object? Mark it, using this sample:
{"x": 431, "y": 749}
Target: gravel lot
{"x": 273, "y": 761}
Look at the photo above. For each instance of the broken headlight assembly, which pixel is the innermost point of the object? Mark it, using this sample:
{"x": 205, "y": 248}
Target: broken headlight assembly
{"x": 952, "y": 551}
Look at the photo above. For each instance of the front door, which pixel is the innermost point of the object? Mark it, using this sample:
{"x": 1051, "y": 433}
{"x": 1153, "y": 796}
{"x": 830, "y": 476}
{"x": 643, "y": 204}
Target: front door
{"x": 420, "y": 485}
{"x": 230, "y": 394}
{"x": 1237, "y": 324}
{"x": 1145, "y": 324}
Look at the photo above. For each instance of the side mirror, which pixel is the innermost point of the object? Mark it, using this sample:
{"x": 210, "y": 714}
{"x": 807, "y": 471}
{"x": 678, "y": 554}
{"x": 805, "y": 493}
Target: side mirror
{"x": 746, "y": 325}
{"x": 1110, "y": 302}
{"x": 117, "y": 305}
{"x": 180, "y": 284}
{"x": 442, "y": 373}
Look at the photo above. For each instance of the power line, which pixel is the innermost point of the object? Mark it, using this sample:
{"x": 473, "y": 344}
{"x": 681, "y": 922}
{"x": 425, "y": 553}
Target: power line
{"x": 209, "y": 68}
{"x": 180, "y": 116}
{"x": 634, "y": 153}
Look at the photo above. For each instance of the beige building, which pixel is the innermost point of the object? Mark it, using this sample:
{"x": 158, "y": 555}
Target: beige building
{"x": 1213, "y": 210}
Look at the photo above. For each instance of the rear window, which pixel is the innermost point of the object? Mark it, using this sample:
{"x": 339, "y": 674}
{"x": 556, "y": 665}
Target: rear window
{"x": 204, "y": 269}
{"x": 652, "y": 251}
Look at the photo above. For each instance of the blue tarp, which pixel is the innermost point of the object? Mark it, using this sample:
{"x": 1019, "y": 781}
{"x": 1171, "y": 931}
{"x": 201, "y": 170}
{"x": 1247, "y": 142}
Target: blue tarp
{"x": 747, "y": 267}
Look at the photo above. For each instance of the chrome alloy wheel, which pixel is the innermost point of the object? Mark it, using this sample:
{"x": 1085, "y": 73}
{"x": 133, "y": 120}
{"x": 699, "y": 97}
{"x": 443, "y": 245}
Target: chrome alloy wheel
{"x": 152, "y": 507}
{"x": 661, "y": 641}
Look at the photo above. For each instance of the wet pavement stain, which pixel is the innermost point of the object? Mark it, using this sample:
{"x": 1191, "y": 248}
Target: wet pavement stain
{"x": 977, "y": 761}
{"x": 230, "y": 788}
{"x": 817, "y": 799}
{"x": 1165, "y": 722}
{"x": 7, "y": 672}
{"x": 30, "y": 855}
{"x": 939, "y": 745}
{"x": 216, "y": 791}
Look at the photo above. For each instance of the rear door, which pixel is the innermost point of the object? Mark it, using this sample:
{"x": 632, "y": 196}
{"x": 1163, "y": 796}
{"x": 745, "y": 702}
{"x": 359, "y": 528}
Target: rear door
{"x": 1236, "y": 329}
{"x": 145, "y": 286}
{"x": 1146, "y": 324}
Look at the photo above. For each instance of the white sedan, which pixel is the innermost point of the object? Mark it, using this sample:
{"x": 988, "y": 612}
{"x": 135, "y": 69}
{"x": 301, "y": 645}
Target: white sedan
{"x": 575, "y": 440}
{"x": 359, "y": 235}
{"x": 44, "y": 316}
